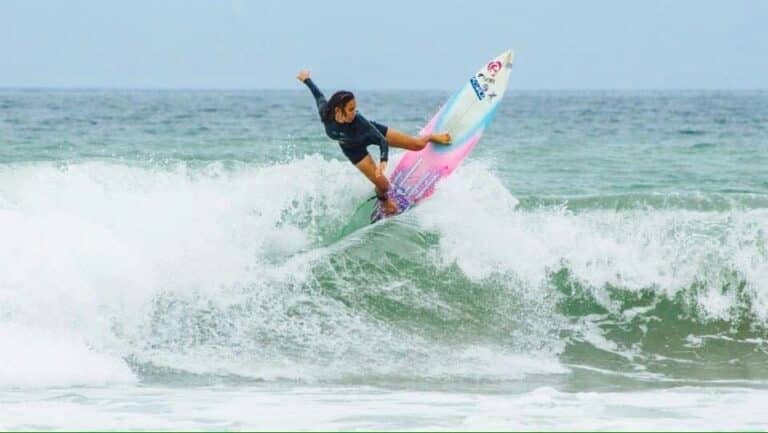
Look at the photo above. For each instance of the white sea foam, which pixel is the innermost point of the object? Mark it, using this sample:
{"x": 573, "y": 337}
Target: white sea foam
{"x": 37, "y": 358}
{"x": 483, "y": 232}
{"x": 88, "y": 247}
{"x": 367, "y": 408}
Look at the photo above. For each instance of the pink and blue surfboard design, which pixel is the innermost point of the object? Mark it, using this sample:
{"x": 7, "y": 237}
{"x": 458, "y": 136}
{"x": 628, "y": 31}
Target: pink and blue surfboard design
{"x": 465, "y": 116}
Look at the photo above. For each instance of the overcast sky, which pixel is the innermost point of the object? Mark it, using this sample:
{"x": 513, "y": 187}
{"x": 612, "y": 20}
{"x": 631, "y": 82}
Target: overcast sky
{"x": 362, "y": 44}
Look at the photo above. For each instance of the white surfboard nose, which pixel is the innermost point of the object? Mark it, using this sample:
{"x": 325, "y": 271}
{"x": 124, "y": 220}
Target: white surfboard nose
{"x": 509, "y": 58}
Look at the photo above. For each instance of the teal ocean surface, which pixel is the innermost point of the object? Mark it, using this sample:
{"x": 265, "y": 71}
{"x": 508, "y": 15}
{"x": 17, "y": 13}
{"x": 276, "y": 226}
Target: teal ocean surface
{"x": 174, "y": 260}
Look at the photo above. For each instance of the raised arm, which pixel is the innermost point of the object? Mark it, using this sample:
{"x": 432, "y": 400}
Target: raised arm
{"x": 303, "y": 76}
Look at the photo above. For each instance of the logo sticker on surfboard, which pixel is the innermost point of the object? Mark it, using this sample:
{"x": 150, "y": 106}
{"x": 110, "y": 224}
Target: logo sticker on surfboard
{"x": 479, "y": 91}
{"x": 494, "y": 67}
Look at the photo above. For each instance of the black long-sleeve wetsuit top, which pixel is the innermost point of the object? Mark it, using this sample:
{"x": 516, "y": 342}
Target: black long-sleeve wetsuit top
{"x": 353, "y": 137}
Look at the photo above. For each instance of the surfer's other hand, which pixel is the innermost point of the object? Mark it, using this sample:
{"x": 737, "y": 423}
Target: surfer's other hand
{"x": 303, "y": 75}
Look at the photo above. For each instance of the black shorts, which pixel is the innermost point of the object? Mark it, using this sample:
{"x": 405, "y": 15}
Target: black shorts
{"x": 356, "y": 152}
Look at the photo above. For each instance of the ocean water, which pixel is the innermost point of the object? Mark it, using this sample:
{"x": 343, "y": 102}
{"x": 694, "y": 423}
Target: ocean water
{"x": 173, "y": 260}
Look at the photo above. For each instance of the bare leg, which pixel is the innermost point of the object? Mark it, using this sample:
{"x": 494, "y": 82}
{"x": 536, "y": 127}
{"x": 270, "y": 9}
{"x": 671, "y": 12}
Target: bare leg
{"x": 405, "y": 141}
{"x": 368, "y": 168}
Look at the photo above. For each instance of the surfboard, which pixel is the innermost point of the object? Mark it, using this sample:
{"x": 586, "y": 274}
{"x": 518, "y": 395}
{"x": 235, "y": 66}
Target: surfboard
{"x": 465, "y": 115}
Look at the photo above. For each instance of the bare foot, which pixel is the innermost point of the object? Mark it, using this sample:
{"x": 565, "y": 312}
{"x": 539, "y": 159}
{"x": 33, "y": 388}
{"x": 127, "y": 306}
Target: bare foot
{"x": 389, "y": 207}
{"x": 444, "y": 138}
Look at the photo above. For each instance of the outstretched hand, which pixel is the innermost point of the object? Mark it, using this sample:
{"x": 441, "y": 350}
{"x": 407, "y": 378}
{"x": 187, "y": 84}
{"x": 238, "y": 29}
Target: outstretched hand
{"x": 303, "y": 75}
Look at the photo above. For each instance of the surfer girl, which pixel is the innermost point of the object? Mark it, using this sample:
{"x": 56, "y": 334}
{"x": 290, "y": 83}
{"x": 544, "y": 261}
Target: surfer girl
{"x": 355, "y": 133}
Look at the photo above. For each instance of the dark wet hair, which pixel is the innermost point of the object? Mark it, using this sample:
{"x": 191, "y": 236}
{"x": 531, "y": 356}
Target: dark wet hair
{"x": 338, "y": 100}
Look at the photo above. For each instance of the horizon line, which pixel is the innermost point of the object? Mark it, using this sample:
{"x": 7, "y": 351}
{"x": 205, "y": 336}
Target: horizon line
{"x": 379, "y": 89}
